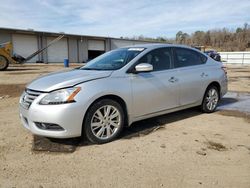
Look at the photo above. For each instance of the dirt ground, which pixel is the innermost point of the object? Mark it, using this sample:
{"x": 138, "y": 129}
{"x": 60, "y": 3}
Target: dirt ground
{"x": 182, "y": 149}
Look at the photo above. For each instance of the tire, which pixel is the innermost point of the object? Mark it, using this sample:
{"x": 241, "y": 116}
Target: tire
{"x": 210, "y": 99}
{"x": 4, "y": 63}
{"x": 100, "y": 119}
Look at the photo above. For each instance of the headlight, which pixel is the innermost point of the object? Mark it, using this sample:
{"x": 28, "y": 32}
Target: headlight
{"x": 60, "y": 96}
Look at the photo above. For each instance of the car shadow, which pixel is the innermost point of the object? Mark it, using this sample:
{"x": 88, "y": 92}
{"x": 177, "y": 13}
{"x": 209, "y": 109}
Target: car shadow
{"x": 227, "y": 100}
{"x": 151, "y": 125}
{"x": 19, "y": 69}
{"x": 137, "y": 129}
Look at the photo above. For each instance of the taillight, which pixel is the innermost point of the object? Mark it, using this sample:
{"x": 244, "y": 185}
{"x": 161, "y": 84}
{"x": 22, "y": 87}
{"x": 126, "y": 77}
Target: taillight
{"x": 224, "y": 68}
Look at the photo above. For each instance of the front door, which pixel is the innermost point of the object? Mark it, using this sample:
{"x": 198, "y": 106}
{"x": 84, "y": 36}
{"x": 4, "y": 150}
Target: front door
{"x": 155, "y": 91}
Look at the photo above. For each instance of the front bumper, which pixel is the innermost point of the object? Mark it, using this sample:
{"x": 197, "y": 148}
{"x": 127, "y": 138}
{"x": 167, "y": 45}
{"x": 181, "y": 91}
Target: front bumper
{"x": 68, "y": 116}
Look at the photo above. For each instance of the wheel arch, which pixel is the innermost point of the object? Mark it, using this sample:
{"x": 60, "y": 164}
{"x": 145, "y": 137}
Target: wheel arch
{"x": 217, "y": 85}
{"x": 114, "y": 98}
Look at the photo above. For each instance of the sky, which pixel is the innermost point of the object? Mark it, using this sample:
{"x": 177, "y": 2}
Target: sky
{"x": 127, "y": 18}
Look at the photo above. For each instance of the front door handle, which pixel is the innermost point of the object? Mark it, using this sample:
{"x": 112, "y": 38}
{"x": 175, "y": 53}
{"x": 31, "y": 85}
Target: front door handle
{"x": 173, "y": 79}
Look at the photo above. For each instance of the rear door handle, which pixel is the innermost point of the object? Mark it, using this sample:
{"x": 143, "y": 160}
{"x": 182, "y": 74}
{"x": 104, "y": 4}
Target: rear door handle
{"x": 204, "y": 74}
{"x": 173, "y": 79}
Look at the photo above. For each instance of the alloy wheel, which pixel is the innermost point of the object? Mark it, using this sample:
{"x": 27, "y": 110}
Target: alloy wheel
{"x": 212, "y": 99}
{"x": 105, "y": 122}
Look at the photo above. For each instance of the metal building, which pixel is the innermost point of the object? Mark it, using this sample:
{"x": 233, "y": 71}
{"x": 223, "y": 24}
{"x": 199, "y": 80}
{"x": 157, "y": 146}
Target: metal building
{"x": 76, "y": 48}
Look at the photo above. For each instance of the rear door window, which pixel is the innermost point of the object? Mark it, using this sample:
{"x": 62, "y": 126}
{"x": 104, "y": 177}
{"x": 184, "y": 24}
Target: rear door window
{"x": 186, "y": 57}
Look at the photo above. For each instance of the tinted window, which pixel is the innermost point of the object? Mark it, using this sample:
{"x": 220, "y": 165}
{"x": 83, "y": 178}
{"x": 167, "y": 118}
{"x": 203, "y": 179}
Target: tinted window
{"x": 159, "y": 58}
{"x": 187, "y": 57}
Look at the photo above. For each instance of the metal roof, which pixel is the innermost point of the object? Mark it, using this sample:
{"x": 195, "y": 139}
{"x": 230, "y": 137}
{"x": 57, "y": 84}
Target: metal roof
{"x": 47, "y": 33}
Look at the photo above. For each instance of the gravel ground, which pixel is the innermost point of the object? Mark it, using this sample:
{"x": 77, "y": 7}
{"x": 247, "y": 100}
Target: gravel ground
{"x": 182, "y": 149}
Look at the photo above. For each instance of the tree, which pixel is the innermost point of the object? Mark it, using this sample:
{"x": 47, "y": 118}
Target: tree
{"x": 178, "y": 36}
{"x": 181, "y": 37}
{"x": 221, "y": 39}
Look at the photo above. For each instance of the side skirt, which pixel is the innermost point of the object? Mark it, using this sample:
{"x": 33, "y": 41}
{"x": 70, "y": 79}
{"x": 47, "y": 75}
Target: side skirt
{"x": 132, "y": 120}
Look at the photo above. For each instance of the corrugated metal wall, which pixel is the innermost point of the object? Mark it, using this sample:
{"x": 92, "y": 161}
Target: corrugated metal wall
{"x": 5, "y": 37}
{"x": 75, "y": 48}
{"x": 58, "y": 51}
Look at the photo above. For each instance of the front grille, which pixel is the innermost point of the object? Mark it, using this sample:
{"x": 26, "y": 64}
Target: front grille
{"x": 28, "y": 97}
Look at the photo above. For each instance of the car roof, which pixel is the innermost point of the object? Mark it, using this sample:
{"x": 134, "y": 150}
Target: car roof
{"x": 159, "y": 45}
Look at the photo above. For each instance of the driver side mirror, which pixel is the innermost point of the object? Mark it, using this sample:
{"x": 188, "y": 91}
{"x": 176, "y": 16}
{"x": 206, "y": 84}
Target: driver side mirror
{"x": 143, "y": 67}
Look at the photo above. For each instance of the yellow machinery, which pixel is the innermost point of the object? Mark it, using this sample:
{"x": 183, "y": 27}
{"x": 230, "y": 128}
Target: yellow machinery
{"x": 6, "y": 51}
{"x": 5, "y": 55}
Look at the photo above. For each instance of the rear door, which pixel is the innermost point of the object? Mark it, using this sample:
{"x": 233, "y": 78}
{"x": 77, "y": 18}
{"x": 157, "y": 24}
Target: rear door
{"x": 152, "y": 91}
{"x": 191, "y": 73}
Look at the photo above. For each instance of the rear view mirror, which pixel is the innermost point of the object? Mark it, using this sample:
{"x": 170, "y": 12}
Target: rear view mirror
{"x": 143, "y": 67}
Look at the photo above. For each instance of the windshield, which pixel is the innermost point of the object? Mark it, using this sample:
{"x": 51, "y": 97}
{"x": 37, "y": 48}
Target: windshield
{"x": 113, "y": 60}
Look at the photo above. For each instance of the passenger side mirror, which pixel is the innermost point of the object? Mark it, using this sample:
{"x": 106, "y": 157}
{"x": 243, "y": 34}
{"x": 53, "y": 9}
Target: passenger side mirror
{"x": 143, "y": 67}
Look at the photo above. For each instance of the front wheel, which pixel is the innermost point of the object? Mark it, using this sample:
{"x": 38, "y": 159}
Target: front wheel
{"x": 210, "y": 100}
{"x": 104, "y": 121}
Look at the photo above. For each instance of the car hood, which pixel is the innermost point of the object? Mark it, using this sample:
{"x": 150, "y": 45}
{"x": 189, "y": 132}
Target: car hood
{"x": 64, "y": 79}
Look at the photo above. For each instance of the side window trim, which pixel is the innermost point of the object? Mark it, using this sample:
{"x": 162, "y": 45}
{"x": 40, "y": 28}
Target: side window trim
{"x": 172, "y": 58}
{"x": 175, "y": 58}
{"x": 202, "y": 55}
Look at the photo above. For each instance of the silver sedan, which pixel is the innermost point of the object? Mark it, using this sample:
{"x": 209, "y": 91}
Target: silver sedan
{"x": 120, "y": 87}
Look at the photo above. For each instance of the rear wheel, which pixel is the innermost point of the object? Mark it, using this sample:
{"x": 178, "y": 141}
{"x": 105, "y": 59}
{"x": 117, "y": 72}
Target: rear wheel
{"x": 4, "y": 63}
{"x": 210, "y": 100}
{"x": 104, "y": 121}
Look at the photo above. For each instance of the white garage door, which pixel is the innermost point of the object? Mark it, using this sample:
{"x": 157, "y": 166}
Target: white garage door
{"x": 25, "y": 45}
{"x": 98, "y": 45}
{"x": 58, "y": 51}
